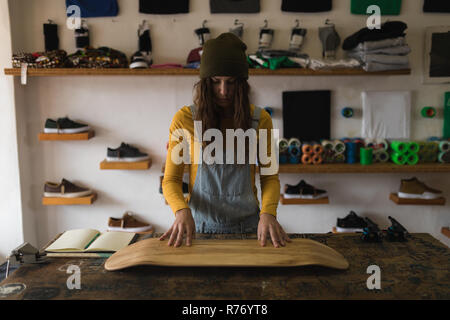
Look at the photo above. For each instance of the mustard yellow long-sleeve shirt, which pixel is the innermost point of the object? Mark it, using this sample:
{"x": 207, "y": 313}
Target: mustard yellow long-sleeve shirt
{"x": 173, "y": 175}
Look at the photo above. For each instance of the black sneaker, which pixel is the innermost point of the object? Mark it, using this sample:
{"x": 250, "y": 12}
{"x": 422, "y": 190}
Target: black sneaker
{"x": 139, "y": 61}
{"x": 126, "y": 153}
{"x": 351, "y": 223}
{"x": 303, "y": 191}
{"x": 64, "y": 125}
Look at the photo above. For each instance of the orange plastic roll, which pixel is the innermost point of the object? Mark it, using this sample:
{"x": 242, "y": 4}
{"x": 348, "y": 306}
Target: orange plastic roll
{"x": 306, "y": 159}
{"x": 317, "y": 159}
{"x": 318, "y": 149}
{"x": 307, "y": 149}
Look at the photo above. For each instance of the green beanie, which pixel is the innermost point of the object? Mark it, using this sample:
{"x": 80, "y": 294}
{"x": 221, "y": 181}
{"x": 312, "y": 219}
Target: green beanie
{"x": 224, "y": 56}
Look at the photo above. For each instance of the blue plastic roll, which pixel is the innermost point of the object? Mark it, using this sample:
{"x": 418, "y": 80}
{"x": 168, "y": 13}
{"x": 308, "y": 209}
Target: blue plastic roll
{"x": 347, "y": 112}
{"x": 351, "y": 148}
{"x": 294, "y": 154}
{"x": 283, "y": 158}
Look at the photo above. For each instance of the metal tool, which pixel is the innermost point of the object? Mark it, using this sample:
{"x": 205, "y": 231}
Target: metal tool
{"x": 396, "y": 232}
{"x": 371, "y": 233}
{"x": 25, "y": 254}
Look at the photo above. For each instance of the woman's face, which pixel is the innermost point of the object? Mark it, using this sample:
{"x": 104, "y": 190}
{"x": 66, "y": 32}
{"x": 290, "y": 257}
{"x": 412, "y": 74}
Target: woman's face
{"x": 224, "y": 89}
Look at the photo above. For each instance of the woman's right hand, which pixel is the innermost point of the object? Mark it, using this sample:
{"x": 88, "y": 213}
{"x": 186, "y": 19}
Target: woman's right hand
{"x": 184, "y": 223}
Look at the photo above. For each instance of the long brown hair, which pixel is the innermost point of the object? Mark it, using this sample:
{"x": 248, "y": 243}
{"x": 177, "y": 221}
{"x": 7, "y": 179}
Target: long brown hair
{"x": 209, "y": 113}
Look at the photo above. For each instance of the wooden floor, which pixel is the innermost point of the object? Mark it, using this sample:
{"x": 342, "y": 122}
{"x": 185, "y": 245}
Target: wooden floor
{"x": 416, "y": 269}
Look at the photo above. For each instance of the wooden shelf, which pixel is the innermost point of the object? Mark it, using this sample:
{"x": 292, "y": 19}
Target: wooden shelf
{"x": 142, "y": 165}
{"x": 181, "y": 71}
{"x": 358, "y": 168}
{"x": 446, "y": 232}
{"x": 66, "y": 137}
{"x": 285, "y": 201}
{"x": 46, "y": 201}
{"x": 419, "y": 202}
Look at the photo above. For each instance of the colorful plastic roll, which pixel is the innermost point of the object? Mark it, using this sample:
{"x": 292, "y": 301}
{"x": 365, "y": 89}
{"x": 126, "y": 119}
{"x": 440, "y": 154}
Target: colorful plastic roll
{"x": 444, "y": 157}
{"x": 382, "y": 156}
{"x": 444, "y": 146}
{"x": 399, "y": 147}
{"x": 318, "y": 149}
{"x": 413, "y": 147}
{"x": 428, "y": 112}
{"x": 398, "y": 158}
{"x": 294, "y": 142}
{"x": 327, "y": 145}
{"x": 306, "y": 159}
{"x": 283, "y": 145}
{"x": 366, "y": 156}
{"x": 382, "y": 144}
{"x": 339, "y": 158}
{"x": 317, "y": 159}
{"x": 432, "y": 147}
{"x": 339, "y": 146}
{"x": 294, "y": 154}
{"x": 283, "y": 158}
{"x": 412, "y": 159}
{"x": 347, "y": 112}
{"x": 307, "y": 149}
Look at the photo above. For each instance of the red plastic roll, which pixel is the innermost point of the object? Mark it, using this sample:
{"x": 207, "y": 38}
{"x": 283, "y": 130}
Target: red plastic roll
{"x": 318, "y": 149}
{"x": 307, "y": 149}
{"x": 306, "y": 159}
{"x": 317, "y": 159}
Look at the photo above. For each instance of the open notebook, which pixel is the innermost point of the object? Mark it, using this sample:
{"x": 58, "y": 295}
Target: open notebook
{"x": 90, "y": 240}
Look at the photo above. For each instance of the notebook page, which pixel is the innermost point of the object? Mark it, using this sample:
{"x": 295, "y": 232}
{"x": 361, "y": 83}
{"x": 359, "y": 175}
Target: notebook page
{"x": 73, "y": 240}
{"x": 111, "y": 241}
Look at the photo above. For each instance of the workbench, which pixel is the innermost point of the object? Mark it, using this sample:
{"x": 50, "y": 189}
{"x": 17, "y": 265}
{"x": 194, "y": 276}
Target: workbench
{"x": 416, "y": 269}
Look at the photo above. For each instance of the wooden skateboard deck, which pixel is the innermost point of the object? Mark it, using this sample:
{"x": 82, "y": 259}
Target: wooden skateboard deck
{"x": 226, "y": 253}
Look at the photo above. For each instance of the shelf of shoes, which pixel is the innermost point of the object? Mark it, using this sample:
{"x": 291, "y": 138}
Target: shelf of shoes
{"x": 446, "y": 231}
{"x": 66, "y": 136}
{"x": 285, "y": 201}
{"x": 419, "y": 202}
{"x": 50, "y": 201}
{"x": 141, "y": 165}
{"x": 41, "y": 72}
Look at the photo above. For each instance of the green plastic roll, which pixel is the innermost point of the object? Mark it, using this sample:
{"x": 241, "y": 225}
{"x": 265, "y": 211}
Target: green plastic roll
{"x": 413, "y": 147}
{"x": 412, "y": 159}
{"x": 444, "y": 146}
{"x": 398, "y": 158}
{"x": 428, "y": 112}
{"x": 366, "y": 156}
{"x": 399, "y": 146}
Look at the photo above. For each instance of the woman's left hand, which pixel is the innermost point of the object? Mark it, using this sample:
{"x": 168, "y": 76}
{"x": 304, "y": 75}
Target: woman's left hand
{"x": 268, "y": 224}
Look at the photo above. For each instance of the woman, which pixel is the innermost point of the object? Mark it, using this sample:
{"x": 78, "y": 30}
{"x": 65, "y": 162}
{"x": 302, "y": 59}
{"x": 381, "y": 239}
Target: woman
{"x": 223, "y": 197}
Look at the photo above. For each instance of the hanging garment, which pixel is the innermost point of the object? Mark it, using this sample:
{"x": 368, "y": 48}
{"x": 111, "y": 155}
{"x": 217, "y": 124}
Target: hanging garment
{"x": 97, "y": 8}
{"x": 223, "y": 200}
{"x": 389, "y": 30}
{"x": 163, "y": 6}
{"x": 306, "y": 6}
{"x": 234, "y": 6}
{"x": 388, "y": 7}
{"x": 306, "y": 115}
{"x": 386, "y": 114}
{"x": 440, "y": 55}
{"x": 436, "y": 6}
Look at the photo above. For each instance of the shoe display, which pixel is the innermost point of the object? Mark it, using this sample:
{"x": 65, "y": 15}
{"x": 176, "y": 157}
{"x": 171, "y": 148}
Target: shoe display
{"x": 128, "y": 223}
{"x": 415, "y": 189}
{"x": 65, "y": 189}
{"x": 64, "y": 125}
{"x": 139, "y": 61}
{"x": 126, "y": 153}
{"x": 142, "y": 59}
{"x": 303, "y": 191}
{"x": 351, "y": 223}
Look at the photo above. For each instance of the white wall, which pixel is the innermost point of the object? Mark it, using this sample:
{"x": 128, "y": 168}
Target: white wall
{"x": 11, "y": 234}
{"x": 138, "y": 110}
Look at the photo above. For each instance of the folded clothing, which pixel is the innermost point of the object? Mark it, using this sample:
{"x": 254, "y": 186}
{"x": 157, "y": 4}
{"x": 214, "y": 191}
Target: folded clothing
{"x": 306, "y": 6}
{"x": 389, "y": 30}
{"x": 388, "y": 7}
{"x": 436, "y": 6}
{"x": 49, "y": 59}
{"x": 234, "y": 6}
{"x": 392, "y": 51}
{"x": 102, "y": 57}
{"x": 163, "y": 6}
{"x": 376, "y": 66}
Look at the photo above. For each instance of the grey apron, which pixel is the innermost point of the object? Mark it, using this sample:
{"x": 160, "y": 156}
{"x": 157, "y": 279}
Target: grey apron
{"x": 222, "y": 200}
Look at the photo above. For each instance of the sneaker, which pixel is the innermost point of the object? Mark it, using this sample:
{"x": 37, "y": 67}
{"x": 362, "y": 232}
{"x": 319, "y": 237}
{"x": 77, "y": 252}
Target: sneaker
{"x": 128, "y": 223}
{"x": 126, "y": 153}
{"x": 65, "y": 189}
{"x": 303, "y": 191}
{"x": 64, "y": 125}
{"x": 139, "y": 61}
{"x": 351, "y": 223}
{"x": 415, "y": 189}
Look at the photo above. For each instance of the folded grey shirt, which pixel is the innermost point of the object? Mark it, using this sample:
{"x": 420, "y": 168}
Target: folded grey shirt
{"x": 395, "y": 51}
{"x": 373, "y": 45}
{"x": 375, "y": 66}
{"x": 386, "y": 59}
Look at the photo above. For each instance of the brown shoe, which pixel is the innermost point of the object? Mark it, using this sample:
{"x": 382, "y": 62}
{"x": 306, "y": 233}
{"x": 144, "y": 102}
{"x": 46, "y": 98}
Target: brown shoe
{"x": 128, "y": 224}
{"x": 65, "y": 189}
{"x": 415, "y": 189}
